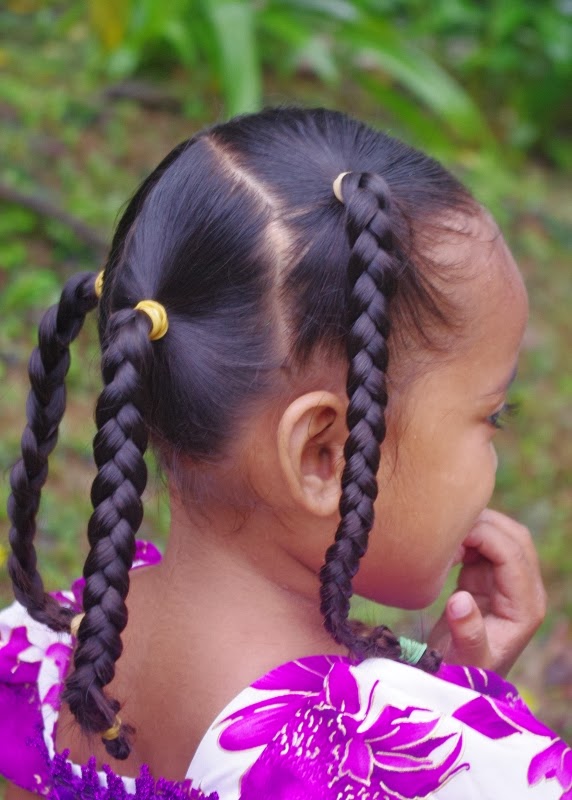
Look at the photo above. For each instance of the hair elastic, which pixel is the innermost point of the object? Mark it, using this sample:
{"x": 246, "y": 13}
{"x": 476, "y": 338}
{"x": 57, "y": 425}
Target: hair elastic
{"x": 158, "y": 316}
{"x": 337, "y": 186}
{"x": 75, "y": 623}
{"x": 112, "y": 733}
{"x": 411, "y": 651}
{"x": 98, "y": 285}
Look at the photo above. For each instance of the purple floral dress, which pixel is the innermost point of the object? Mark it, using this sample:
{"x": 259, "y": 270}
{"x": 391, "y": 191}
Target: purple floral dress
{"x": 321, "y": 728}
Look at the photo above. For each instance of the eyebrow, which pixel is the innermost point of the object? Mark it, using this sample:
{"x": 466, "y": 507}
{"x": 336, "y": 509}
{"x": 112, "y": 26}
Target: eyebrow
{"x": 505, "y": 385}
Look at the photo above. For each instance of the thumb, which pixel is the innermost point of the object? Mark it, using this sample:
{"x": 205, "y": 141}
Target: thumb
{"x": 469, "y": 642}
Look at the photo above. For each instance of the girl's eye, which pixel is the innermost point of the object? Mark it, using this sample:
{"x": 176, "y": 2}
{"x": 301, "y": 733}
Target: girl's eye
{"x": 499, "y": 418}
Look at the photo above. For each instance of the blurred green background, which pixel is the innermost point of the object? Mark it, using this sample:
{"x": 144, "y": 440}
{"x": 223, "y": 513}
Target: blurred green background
{"x": 93, "y": 94}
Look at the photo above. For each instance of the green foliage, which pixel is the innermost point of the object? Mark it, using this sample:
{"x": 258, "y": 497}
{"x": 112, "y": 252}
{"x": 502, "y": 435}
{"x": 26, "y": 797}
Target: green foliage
{"x": 513, "y": 56}
{"x": 504, "y": 65}
{"x": 238, "y": 40}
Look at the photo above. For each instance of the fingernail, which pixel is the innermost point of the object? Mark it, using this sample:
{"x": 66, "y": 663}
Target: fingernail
{"x": 460, "y": 605}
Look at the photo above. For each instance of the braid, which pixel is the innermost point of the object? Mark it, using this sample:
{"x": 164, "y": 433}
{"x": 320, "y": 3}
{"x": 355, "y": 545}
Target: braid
{"x": 119, "y": 446}
{"x": 47, "y": 369}
{"x": 372, "y": 284}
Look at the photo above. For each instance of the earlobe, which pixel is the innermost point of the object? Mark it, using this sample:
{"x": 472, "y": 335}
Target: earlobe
{"x": 311, "y": 436}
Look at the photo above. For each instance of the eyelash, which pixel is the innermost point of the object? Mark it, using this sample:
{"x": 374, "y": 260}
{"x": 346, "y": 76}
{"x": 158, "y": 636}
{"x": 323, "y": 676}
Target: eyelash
{"x": 498, "y": 419}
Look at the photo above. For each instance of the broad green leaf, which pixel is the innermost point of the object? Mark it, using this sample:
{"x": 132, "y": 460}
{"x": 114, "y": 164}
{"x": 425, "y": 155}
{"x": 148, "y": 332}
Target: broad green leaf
{"x": 328, "y": 9}
{"x": 233, "y": 25}
{"x": 177, "y": 32}
{"x": 378, "y": 43}
{"x": 421, "y": 129}
{"x": 317, "y": 56}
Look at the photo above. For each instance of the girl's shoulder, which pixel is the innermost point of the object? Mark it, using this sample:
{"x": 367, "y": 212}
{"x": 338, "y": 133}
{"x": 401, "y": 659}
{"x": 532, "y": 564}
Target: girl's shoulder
{"x": 326, "y": 728}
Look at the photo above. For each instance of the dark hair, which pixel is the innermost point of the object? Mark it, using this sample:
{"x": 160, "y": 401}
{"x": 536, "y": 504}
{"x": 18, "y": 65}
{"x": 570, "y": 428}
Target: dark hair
{"x": 239, "y": 235}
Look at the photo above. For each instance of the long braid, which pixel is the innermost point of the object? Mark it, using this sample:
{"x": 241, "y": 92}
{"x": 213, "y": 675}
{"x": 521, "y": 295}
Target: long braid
{"x": 119, "y": 446}
{"x": 372, "y": 284}
{"x": 47, "y": 369}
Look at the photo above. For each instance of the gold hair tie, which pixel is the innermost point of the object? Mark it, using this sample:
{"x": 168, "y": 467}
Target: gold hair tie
{"x": 75, "y": 623}
{"x": 112, "y": 733}
{"x": 337, "y": 185}
{"x": 158, "y": 316}
{"x": 98, "y": 285}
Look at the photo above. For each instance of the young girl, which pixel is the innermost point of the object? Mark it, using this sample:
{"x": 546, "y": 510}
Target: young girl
{"x": 284, "y": 293}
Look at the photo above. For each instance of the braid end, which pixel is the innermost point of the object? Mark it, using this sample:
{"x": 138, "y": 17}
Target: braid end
{"x": 120, "y": 746}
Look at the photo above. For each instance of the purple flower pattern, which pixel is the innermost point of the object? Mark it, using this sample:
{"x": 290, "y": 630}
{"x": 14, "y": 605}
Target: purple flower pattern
{"x": 499, "y": 712}
{"x": 319, "y": 742}
{"x": 553, "y": 762}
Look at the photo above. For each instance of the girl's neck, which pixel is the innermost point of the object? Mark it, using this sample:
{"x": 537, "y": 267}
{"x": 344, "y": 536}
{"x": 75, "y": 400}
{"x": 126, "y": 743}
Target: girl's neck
{"x": 225, "y": 606}
{"x": 246, "y": 584}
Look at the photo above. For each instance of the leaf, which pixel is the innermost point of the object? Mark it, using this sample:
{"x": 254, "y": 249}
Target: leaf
{"x": 316, "y": 55}
{"x": 328, "y": 9}
{"x": 233, "y": 26}
{"x": 381, "y": 45}
{"x": 417, "y": 121}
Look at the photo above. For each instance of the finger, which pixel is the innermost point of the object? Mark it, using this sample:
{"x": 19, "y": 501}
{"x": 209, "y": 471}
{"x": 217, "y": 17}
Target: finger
{"x": 512, "y": 590}
{"x": 514, "y": 572}
{"x": 493, "y": 543}
{"x": 467, "y": 629}
{"x": 477, "y": 579}
{"x": 513, "y": 529}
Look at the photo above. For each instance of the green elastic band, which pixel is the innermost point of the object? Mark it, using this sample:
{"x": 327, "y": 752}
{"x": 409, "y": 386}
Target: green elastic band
{"x": 411, "y": 651}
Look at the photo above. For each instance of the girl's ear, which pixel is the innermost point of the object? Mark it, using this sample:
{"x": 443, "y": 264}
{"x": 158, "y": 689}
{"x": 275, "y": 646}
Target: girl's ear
{"x": 311, "y": 437}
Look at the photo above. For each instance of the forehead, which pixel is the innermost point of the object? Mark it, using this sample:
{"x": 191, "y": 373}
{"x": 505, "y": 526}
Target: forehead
{"x": 492, "y": 298}
{"x": 492, "y": 302}
{"x": 490, "y": 306}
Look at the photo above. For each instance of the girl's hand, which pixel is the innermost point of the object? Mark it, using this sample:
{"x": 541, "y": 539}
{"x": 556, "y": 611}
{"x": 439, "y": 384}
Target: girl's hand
{"x": 500, "y": 599}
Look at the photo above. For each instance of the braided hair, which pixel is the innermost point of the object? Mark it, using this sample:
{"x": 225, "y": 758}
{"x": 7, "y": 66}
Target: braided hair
{"x": 119, "y": 446}
{"x": 238, "y": 234}
{"x": 372, "y": 284}
{"x": 47, "y": 370}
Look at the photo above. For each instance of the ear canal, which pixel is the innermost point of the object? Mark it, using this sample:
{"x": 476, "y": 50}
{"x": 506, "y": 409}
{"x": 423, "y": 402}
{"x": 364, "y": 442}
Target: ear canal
{"x": 372, "y": 284}
{"x": 48, "y": 367}
{"x": 119, "y": 447}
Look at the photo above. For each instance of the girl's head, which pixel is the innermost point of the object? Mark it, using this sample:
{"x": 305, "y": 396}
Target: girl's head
{"x": 279, "y": 362}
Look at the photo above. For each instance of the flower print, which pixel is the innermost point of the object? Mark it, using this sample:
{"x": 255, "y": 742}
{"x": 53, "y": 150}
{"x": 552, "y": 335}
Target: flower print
{"x": 52, "y": 676}
{"x": 320, "y": 741}
{"x": 497, "y": 720}
{"x": 553, "y": 762}
{"x": 483, "y": 681}
{"x": 499, "y": 712}
{"x": 20, "y": 660}
{"x": 20, "y": 709}
{"x": 257, "y": 724}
